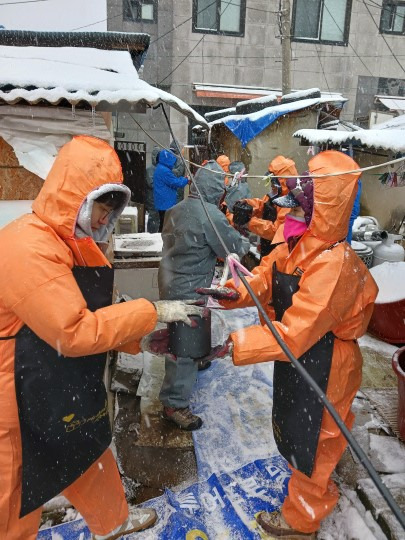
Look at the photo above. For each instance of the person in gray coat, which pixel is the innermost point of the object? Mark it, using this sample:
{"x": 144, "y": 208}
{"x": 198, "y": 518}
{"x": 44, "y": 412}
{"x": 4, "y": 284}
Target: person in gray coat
{"x": 190, "y": 251}
{"x": 178, "y": 168}
{"x": 153, "y": 214}
{"x": 239, "y": 189}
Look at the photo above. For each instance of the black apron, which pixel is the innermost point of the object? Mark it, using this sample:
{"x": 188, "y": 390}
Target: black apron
{"x": 266, "y": 246}
{"x": 62, "y": 404}
{"x": 297, "y": 411}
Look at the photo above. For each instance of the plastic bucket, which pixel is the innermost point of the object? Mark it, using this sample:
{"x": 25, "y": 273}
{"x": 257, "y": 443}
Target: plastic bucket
{"x": 189, "y": 342}
{"x": 398, "y": 365}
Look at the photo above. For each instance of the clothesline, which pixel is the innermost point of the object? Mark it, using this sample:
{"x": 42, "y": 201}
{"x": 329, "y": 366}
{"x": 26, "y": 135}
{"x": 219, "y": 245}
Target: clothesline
{"x": 264, "y": 177}
{"x": 393, "y": 161}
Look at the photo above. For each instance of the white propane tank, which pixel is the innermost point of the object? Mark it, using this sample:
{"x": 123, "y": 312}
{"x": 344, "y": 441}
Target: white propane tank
{"x": 388, "y": 251}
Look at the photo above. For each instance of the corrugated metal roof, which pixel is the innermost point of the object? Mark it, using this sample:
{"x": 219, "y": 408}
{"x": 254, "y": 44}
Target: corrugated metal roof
{"x": 103, "y": 79}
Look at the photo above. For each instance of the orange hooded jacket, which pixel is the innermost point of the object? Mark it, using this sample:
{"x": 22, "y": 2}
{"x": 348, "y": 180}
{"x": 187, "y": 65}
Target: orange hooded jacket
{"x": 264, "y": 228}
{"x": 37, "y": 285}
{"x": 224, "y": 162}
{"x": 336, "y": 293}
{"x": 38, "y": 290}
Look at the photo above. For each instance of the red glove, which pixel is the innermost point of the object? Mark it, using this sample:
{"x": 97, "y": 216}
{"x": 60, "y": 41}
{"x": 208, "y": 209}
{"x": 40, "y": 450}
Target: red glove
{"x": 156, "y": 342}
{"x": 218, "y": 352}
{"x": 220, "y": 293}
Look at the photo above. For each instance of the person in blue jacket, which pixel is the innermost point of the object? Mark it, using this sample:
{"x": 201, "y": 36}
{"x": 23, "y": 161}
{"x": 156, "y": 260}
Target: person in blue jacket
{"x": 166, "y": 183}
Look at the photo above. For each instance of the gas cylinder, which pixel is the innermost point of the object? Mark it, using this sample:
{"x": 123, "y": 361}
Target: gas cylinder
{"x": 388, "y": 251}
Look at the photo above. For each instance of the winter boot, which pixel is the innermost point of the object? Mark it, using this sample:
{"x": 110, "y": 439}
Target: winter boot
{"x": 139, "y": 519}
{"x": 183, "y": 418}
{"x": 203, "y": 364}
{"x": 274, "y": 524}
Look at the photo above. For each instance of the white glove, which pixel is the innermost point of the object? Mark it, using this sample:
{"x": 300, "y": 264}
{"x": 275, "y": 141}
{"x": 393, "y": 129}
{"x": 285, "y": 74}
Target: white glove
{"x": 177, "y": 310}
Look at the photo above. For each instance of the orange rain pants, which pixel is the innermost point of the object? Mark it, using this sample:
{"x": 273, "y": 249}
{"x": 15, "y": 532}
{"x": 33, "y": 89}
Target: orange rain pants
{"x": 98, "y": 494}
{"x": 310, "y": 500}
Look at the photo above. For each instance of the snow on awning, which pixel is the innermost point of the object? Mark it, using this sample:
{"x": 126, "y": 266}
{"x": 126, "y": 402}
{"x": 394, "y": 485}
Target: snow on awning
{"x": 389, "y": 139}
{"x": 99, "y": 78}
{"x": 247, "y": 126}
{"x": 396, "y": 103}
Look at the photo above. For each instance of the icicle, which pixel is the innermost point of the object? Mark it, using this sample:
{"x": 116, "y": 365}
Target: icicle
{"x": 93, "y": 115}
{"x": 73, "y": 110}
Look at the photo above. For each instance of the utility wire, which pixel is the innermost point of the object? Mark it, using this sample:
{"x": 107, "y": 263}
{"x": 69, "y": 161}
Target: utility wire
{"x": 174, "y": 28}
{"x": 348, "y": 42}
{"x": 360, "y": 170}
{"x": 23, "y": 2}
{"x": 382, "y": 35}
{"x": 184, "y": 59}
{"x": 198, "y": 42}
{"x": 279, "y": 58}
{"x": 374, "y": 4}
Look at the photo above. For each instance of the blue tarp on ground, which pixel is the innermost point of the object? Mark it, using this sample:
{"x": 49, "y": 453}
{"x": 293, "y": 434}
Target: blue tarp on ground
{"x": 235, "y": 404}
{"x": 247, "y": 126}
{"x": 224, "y": 506}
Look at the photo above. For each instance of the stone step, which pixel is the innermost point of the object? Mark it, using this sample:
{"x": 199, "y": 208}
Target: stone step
{"x": 374, "y": 501}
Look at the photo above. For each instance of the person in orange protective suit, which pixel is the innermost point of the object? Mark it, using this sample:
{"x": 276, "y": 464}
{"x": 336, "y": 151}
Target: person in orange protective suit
{"x": 56, "y": 325}
{"x": 266, "y": 218}
{"x": 224, "y": 162}
{"x": 323, "y": 297}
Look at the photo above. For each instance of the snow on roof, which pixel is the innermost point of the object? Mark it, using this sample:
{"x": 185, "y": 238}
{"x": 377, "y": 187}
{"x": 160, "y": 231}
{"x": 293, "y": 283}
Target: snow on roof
{"x": 75, "y": 74}
{"x": 247, "y": 126}
{"x": 261, "y": 99}
{"x": 220, "y": 111}
{"x": 395, "y": 123}
{"x": 283, "y": 108}
{"x": 392, "y": 139}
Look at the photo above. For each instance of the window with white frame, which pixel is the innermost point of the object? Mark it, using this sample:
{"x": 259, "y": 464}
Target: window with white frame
{"x": 219, "y": 17}
{"x": 140, "y": 10}
{"x": 392, "y": 18}
{"x": 321, "y": 21}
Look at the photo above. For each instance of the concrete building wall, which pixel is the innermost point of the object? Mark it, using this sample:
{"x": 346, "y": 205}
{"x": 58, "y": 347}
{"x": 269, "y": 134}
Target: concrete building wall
{"x": 179, "y": 57}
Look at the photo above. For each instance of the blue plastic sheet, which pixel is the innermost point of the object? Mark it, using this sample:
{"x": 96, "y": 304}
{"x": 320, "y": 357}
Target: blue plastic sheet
{"x": 224, "y": 506}
{"x": 247, "y": 127}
